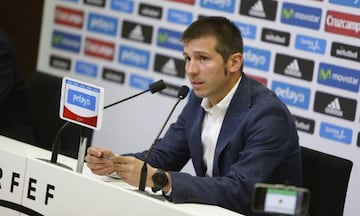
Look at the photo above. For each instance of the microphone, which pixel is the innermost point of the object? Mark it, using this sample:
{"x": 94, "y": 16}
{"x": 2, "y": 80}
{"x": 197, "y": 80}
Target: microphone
{"x": 85, "y": 132}
{"x": 183, "y": 91}
{"x": 153, "y": 88}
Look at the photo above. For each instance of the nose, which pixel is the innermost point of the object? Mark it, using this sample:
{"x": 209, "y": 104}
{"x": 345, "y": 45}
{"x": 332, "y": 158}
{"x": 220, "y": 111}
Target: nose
{"x": 191, "y": 68}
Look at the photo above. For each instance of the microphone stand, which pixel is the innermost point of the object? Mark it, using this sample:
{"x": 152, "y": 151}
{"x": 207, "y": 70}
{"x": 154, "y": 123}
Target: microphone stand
{"x": 84, "y": 135}
{"x": 182, "y": 94}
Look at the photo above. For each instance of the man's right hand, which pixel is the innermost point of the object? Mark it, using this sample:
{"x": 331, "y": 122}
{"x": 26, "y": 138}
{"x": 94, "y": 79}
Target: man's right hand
{"x": 98, "y": 160}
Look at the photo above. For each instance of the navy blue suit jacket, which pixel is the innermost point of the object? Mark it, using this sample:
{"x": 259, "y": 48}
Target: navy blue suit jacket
{"x": 258, "y": 142}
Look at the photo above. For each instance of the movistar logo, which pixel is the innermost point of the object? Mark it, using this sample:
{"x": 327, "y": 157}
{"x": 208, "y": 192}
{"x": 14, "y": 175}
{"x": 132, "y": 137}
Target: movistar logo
{"x": 339, "y": 77}
{"x": 288, "y": 13}
{"x": 66, "y": 41}
{"x": 301, "y": 15}
{"x": 325, "y": 74}
{"x": 169, "y": 39}
{"x": 57, "y": 39}
{"x": 162, "y": 37}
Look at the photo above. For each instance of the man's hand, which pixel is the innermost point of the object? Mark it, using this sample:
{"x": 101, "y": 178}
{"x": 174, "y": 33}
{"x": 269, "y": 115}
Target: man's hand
{"x": 129, "y": 169}
{"x": 98, "y": 160}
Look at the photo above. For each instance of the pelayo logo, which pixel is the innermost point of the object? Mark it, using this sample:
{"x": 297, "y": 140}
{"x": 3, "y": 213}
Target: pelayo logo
{"x": 292, "y": 95}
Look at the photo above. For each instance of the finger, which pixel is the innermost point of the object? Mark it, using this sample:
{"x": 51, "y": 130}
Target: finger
{"x": 94, "y": 151}
{"x": 102, "y": 171}
{"x": 107, "y": 153}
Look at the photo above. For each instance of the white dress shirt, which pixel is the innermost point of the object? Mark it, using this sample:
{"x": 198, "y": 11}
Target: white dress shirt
{"x": 212, "y": 123}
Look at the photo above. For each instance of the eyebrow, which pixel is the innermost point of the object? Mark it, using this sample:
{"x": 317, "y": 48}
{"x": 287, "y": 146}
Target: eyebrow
{"x": 197, "y": 52}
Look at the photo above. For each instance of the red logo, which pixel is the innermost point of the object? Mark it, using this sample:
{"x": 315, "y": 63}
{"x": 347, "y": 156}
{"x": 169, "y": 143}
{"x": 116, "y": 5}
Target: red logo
{"x": 99, "y": 49}
{"x": 185, "y": 1}
{"x": 69, "y": 17}
{"x": 259, "y": 79}
{"x": 343, "y": 24}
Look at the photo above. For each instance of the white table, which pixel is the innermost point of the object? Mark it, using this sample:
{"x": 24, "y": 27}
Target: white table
{"x": 29, "y": 184}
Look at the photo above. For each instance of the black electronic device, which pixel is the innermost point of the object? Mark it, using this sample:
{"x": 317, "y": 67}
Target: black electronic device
{"x": 160, "y": 180}
{"x": 279, "y": 199}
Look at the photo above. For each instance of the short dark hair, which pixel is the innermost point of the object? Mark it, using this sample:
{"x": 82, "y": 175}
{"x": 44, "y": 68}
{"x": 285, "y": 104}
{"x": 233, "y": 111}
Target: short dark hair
{"x": 227, "y": 34}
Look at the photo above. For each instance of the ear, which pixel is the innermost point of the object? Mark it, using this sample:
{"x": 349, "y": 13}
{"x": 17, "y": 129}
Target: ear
{"x": 235, "y": 62}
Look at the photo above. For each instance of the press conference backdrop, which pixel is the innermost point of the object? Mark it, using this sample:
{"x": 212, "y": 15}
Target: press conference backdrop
{"x": 307, "y": 52}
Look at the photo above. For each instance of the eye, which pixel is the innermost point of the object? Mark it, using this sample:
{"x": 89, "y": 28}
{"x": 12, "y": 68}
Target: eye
{"x": 203, "y": 58}
{"x": 187, "y": 58}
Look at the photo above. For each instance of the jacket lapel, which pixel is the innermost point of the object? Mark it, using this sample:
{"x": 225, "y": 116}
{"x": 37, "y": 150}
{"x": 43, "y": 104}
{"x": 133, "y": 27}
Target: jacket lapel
{"x": 240, "y": 101}
{"x": 195, "y": 145}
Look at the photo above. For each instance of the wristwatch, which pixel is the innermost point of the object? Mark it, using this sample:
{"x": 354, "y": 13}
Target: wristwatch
{"x": 160, "y": 180}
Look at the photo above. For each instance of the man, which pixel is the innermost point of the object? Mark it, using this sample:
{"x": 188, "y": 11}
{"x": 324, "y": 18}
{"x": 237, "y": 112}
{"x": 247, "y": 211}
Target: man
{"x": 235, "y": 131}
{"x": 14, "y": 122}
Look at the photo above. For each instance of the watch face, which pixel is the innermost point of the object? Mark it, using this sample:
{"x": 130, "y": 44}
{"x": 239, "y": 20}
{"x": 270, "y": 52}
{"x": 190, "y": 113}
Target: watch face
{"x": 160, "y": 180}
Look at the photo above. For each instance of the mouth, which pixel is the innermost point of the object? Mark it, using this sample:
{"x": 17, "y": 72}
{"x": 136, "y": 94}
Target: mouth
{"x": 196, "y": 84}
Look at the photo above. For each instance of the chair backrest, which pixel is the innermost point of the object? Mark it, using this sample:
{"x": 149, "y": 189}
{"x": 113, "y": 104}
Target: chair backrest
{"x": 327, "y": 177}
{"x": 43, "y": 95}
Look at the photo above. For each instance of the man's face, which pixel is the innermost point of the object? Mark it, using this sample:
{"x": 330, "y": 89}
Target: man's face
{"x": 206, "y": 69}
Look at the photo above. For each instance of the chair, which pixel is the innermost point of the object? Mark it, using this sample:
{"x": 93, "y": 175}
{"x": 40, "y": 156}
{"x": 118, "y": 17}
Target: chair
{"x": 43, "y": 97}
{"x": 327, "y": 178}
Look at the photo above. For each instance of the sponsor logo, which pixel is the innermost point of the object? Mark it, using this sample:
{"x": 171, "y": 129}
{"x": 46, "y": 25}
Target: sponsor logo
{"x": 99, "y": 49}
{"x": 310, "y": 44}
{"x": 134, "y": 57}
{"x": 102, "y": 24}
{"x": 247, "y": 30}
{"x": 222, "y": 5}
{"x": 140, "y": 82}
{"x": 81, "y": 99}
{"x": 126, "y": 6}
{"x": 60, "y": 62}
{"x": 191, "y": 2}
{"x": 257, "y": 58}
{"x": 259, "y": 8}
{"x": 345, "y": 51}
{"x": 292, "y": 95}
{"x": 170, "y": 66}
{"x": 275, "y": 36}
{"x": 339, "y": 77}
{"x": 335, "y": 106}
{"x": 69, "y": 17}
{"x": 169, "y": 39}
{"x": 300, "y": 15}
{"x": 342, "y": 23}
{"x": 294, "y": 67}
{"x": 98, "y": 3}
{"x": 150, "y": 11}
{"x": 86, "y": 68}
{"x": 179, "y": 16}
{"x": 350, "y": 3}
{"x": 171, "y": 90}
{"x": 261, "y": 80}
{"x": 336, "y": 133}
{"x": 304, "y": 124}
{"x": 137, "y": 32}
{"x": 66, "y": 41}
{"x": 113, "y": 75}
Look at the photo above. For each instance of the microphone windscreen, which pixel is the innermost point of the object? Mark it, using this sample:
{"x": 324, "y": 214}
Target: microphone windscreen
{"x": 183, "y": 91}
{"x": 157, "y": 86}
